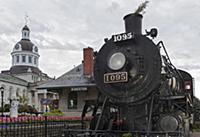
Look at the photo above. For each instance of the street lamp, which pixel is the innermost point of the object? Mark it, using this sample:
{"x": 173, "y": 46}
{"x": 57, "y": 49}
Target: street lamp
{"x": 2, "y": 93}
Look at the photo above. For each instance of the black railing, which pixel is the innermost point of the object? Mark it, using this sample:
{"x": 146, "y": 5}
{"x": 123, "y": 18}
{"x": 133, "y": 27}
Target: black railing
{"x": 35, "y": 126}
{"x": 65, "y": 127}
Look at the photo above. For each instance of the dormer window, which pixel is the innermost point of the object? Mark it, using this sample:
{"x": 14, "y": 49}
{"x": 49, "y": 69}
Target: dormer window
{"x": 17, "y": 46}
{"x": 36, "y": 49}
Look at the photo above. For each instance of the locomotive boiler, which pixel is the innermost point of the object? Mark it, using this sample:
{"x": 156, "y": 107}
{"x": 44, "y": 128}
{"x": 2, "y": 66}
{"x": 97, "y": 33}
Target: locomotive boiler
{"x": 142, "y": 90}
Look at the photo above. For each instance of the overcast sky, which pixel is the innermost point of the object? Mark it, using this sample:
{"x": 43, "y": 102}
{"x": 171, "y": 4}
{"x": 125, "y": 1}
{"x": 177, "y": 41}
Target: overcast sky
{"x": 62, "y": 28}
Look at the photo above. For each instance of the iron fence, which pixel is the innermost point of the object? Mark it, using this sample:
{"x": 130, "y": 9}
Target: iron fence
{"x": 64, "y": 127}
{"x": 35, "y": 126}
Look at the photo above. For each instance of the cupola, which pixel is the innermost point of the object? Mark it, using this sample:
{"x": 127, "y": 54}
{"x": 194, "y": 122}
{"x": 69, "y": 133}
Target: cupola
{"x": 25, "y": 55}
{"x": 25, "y": 32}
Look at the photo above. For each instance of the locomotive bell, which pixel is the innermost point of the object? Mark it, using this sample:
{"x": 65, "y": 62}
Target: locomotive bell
{"x": 133, "y": 23}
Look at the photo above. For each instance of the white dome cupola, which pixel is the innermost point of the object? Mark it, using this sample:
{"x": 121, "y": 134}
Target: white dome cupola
{"x": 25, "y": 53}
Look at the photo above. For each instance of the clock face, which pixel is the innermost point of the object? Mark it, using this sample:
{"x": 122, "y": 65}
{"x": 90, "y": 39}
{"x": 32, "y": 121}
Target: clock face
{"x": 36, "y": 49}
{"x": 17, "y": 46}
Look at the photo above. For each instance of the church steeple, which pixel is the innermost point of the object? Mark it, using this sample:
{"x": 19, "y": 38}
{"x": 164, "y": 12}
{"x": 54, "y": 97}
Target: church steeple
{"x": 25, "y": 32}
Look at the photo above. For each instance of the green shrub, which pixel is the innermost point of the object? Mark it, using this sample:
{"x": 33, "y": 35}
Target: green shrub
{"x": 7, "y": 108}
{"x": 127, "y": 135}
{"x": 26, "y": 108}
{"x": 55, "y": 112}
{"x": 196, "y": 127}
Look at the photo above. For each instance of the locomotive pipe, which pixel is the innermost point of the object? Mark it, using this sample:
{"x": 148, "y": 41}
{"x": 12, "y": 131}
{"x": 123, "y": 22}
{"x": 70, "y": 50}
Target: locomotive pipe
{"x": 133, "y": 23}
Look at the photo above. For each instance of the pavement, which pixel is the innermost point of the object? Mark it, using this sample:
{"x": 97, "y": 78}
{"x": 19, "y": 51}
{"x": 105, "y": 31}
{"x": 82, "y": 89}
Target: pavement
{"x": 195, "y": 134}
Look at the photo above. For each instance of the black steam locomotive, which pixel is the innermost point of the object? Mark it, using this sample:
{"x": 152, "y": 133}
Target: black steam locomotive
{"x": 142, "y": 93}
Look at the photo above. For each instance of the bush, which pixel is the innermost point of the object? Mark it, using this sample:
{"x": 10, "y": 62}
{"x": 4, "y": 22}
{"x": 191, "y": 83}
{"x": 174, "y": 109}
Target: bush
{"x": 127, "y": 135}
{"x": 55, "y": 112}
{"x": 26, "y": 109}
{"x": 6, "y": 108}
{"x": 31, "y": 110}
{"x": 22, "y": 108}
{"x": 196, "y": 127}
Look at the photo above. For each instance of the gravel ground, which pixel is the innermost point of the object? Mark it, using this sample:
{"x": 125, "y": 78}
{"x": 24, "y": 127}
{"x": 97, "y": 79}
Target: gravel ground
{"x": 195, "y": 134}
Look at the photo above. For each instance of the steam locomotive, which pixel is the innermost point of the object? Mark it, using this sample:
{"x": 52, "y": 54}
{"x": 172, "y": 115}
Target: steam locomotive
{"x": 141, "y": 92}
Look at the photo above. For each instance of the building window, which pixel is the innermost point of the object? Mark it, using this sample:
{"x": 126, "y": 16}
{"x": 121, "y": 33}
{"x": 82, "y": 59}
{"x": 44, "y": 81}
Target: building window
{"x": 13, "y": 61}
{"x": 29, "y": 59}
{"x": 23, "y": 58}
{"x": 17, "y": 59}
{"x": 24, "y": 93}
{"x": 35, "y": 60}
{"x": 72, "y": 100}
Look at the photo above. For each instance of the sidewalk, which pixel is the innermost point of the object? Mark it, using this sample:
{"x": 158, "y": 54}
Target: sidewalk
{"x": 195, "y": 134}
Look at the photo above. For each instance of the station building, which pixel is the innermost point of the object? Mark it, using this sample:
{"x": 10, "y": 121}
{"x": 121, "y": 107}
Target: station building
{"x": 76, "y": 86}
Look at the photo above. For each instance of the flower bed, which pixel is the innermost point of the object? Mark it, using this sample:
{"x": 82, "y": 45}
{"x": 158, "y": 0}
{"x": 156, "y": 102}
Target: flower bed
{"x": 42, "y": 118}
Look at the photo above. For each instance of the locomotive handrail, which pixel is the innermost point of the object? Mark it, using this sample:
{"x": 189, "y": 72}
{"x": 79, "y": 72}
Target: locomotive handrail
{"x": 170, "y": 63}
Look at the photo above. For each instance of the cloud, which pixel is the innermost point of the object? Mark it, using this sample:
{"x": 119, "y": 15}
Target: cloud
{"x": 190, "y": 67}
{"x": 61, "y": 29}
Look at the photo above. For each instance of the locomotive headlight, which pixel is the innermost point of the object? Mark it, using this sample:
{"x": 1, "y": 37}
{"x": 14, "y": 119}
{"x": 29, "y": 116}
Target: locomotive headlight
{"x": 116, "y": 61}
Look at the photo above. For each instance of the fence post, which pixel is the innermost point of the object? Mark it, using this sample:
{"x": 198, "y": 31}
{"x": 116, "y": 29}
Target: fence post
{"x": 45, "y": 126}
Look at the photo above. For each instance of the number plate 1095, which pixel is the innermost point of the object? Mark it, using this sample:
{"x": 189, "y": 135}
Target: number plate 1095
{"x": 115, "y": 77}
{"x": 123, "y": 37}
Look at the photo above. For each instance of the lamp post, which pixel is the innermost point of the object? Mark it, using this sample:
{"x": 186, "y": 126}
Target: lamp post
{"x": 2, "y": 93}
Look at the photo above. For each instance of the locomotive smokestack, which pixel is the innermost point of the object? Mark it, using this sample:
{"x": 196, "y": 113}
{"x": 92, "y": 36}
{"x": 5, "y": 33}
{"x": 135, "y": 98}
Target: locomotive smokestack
{"x": 133, "y": 23}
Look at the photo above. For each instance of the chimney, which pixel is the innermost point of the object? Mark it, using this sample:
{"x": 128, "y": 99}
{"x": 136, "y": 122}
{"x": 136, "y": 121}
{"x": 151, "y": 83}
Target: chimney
{"x": 88, "y": 55}
{"x": 133, "y": 23}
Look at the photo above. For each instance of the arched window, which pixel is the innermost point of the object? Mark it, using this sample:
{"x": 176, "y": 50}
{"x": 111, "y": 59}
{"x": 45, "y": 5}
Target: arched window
{"x": 17, "y": 58}
{"x": 72, "y": 100}
{"x": 24, "y": 92}
{"x": 29, "y": 59}
{"x": 23, "y": 58}
{"x": 18, "y": 92}
{"x": 35, "y": 60}
{"x": 11, "y": 93}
